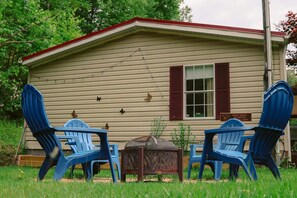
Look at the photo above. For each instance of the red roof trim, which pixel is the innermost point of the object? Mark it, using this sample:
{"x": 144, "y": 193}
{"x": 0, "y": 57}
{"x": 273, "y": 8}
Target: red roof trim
{"x": 167, "y": 22}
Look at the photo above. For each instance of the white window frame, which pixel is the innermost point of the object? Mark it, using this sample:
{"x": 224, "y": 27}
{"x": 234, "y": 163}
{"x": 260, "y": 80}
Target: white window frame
{"x": 185, "y": 98}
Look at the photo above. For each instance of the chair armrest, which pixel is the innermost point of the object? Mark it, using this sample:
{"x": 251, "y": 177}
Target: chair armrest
{"x": 228, "y": 130}
{"x": 210, "y": 133}
{"x": 67, "y": 137}
{"x": 193, "y": 149}
{"x": 195, "y": 146}
{"x": 114, "y": 149}
{"x": 243, "y": 139}
{"x": 81, "y": 130}
{"x": 79, "y": 145}
{"x": 102, "y": 133}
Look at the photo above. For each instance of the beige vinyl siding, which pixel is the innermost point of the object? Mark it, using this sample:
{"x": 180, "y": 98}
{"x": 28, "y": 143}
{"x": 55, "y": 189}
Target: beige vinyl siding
{"x": 123, "y": 71}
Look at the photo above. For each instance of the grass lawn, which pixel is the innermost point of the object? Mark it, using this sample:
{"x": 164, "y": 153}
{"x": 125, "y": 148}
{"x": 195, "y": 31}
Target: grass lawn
{"x": 21, "y": 182}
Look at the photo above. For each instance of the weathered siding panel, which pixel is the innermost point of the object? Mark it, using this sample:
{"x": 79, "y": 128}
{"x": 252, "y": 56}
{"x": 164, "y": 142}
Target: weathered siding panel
{"x": 123, "y": 71}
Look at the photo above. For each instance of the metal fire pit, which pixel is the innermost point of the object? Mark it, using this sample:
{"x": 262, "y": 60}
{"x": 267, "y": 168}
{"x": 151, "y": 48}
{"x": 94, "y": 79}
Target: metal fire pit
{"x": 148, "y": 155}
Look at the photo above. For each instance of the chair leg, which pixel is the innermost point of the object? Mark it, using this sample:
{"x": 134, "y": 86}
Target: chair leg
{"x": 72, "y": 170}
{"x": 218, "y": 166}
{"x": 273, "y": 168}
{"x": 189, "y": 169}
{"x": 61, "y": 168}
{"x": 88, "y": 170}
{"x": 233, "y": 171}
{"x": 249, "y": 168}
{"x": 118, "y": 168}
{"x": 202, "y": 164}
{"x": 46, "y": 165}
{"x": 94, "y": 167}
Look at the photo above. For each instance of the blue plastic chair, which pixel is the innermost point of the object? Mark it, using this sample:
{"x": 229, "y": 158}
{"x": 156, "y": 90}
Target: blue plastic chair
{"x": 276, "y": 112}
{"x": 226, "y": 141}
{"x": 36, "y": 118}
{"x": 86, "y": 144}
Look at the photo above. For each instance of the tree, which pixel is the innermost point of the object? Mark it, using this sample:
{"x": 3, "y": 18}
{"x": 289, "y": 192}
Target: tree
{"x": 289, "y": 26}
{"x": 185, "y": 13}
{"x": 28, "y": 26}
{"x": 99, "y": 14}
{"x": 25, "y": 29}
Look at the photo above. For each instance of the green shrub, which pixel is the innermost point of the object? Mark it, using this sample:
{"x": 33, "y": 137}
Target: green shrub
{"x": 287, "y": 163}
{"x": 183, "y": 137}
{"x": 7, "y": 152}
{"x": 158, "y": 126}
{"x": 293, "y": 122}
{"x": 10, "y": 131}
{"x": 10, "y": 135}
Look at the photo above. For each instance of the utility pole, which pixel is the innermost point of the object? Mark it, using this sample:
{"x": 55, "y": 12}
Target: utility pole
{"x": 268, "y": 59}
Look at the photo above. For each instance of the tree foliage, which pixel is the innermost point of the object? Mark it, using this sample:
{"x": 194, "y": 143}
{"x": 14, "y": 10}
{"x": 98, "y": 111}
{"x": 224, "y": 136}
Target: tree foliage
{"x": 24, "y": 29}
{"x": 28, "y": 26}
{"x": 289, "y": 26}
{"x": 99, "y": 14}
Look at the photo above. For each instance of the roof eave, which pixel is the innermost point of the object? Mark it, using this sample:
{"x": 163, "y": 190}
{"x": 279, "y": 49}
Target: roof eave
{"x": 137, "y": 24}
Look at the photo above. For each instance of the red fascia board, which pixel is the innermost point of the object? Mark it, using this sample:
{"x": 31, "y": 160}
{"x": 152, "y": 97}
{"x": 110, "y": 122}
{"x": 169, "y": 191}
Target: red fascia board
{"x": 148, "y": 20}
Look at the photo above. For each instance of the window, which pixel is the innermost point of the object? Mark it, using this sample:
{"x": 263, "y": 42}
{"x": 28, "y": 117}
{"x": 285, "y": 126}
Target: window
{"x": 199, "y": 91}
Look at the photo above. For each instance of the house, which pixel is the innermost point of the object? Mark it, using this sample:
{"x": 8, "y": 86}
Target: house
{"x": 124, "y": 76}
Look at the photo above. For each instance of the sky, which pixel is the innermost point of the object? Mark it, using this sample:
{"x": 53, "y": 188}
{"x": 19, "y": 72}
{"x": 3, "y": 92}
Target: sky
{"x": 239, "y": 13}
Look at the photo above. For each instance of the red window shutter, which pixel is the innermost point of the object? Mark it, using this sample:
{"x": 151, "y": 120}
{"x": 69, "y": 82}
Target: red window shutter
{"x": 176, "y": 93}
{"x": 222, "y": 79}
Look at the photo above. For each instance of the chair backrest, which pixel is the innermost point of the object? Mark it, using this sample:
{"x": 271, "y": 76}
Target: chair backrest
{"x": 36, "y": 118}
{"x": 277, "y": 106}
{"x": 276, "y": 112}
{"x": 230, "y": 141}
{"x": 33, "y": 109}
{"x": 85, "y": 138}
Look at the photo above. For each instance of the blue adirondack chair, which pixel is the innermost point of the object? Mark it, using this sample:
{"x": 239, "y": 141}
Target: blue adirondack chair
{"x": 36, "y": 118}
{"x": 85, "y": 143}
{"x": 226, "y": 141}
{"x": 277, "y": 108}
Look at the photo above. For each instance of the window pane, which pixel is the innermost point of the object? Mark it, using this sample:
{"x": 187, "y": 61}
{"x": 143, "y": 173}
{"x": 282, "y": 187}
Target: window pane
{"x": 199, "y": 98}
{"x": 190, "y": 85}
{"x": 208, "y": 71}
{"x": 199, "y": 111}
{"x": 208, "y": 98}
{"x": 208, "y": 84}
{"x": 190, "y": 99}
{"x": 209, "y": 111}
{"x": 199, "y": 84}
{"x": 189, "y": 72}
{"x": 198, "y": 72}
{"x": 190, "y": 111}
